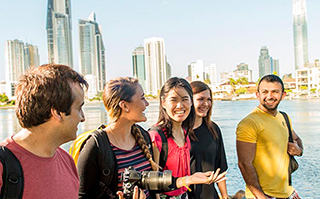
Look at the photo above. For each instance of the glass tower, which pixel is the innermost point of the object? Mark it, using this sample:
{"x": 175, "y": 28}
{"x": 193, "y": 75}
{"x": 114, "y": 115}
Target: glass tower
{"x": 59, "y": 28}
{"x": 300, "y": 34}
{"x": 92, "y": 54}
{"x": 139, "y": 71}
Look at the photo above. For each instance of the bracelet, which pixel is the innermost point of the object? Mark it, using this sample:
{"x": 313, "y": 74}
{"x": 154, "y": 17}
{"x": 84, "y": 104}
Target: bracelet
{"x": 184, "y": 183}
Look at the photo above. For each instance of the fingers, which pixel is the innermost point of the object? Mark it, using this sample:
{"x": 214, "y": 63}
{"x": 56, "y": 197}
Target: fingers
{"x": 216, "y": 177}
{"x": 221, "y": 177}
{"x": 120, "y": 194}
{"x": 135, "y": 193}
{"x": 213, "y": 176}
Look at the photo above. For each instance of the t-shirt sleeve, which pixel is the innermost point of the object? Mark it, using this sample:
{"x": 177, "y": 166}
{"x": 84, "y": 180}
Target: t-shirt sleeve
{"x": 156, "y": 139}
{"x": 247, "y": 131}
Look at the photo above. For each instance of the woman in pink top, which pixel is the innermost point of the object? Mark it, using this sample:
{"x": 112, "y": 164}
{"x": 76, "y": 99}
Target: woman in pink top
{"x": 176, "y": 119}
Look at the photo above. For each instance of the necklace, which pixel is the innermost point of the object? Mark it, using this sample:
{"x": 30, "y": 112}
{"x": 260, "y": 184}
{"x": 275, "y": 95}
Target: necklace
{"x": 111, "y": 132}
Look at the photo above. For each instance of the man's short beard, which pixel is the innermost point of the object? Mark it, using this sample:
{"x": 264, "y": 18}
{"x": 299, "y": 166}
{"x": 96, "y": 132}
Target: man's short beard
{"x": 270, "y": 109}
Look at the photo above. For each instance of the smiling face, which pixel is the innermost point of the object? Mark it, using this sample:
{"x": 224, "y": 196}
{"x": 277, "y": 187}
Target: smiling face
{"x": 136, "y": 108}
{"x": 202, "y": 103}
{"x": 270, "y": 95}
{"x": 177, "y": 104}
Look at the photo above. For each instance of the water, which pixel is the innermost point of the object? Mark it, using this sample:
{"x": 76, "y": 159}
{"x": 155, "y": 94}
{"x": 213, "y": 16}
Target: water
{"x": 305, "y": 115}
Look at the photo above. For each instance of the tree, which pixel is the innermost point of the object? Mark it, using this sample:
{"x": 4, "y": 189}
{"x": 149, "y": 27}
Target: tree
{"x": 242, "y": 81}
{"x": 241, "y": 90}
{"x": 313, "y": 90}
{"x": 3, "y": 98}
{"x": 207, "y": 81}
{"x": 304, "y": 87}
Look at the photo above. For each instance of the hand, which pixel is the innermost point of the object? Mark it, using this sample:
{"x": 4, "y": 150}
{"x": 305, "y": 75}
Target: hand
{"x": 136, "y": 192}
{"x": 293, "y": 148}
{"x": 206, "y": 178}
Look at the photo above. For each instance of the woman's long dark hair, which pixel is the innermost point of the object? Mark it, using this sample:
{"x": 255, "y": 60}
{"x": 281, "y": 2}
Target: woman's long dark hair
{"x": 198, "y": 87}
{"x": 164, "y": 120}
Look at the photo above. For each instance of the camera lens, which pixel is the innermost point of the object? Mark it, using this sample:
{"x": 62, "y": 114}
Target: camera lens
{"x": 155, "y": 180}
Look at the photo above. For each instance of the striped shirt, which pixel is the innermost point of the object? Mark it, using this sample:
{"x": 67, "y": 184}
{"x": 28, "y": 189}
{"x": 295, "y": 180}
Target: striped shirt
{"x": 133, "y": 157}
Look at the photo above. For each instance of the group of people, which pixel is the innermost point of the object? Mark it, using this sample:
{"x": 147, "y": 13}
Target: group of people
{"x": 184, "y": 139}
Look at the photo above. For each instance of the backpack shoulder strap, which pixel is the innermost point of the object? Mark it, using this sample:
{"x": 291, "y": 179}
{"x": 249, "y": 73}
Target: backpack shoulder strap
{"x": 12, "y": 176}
{"x": 106, "y": 163}
{"x": 288, "y": 125}
{"x": 164, "y": 148}
{"x": 146, "y": 137}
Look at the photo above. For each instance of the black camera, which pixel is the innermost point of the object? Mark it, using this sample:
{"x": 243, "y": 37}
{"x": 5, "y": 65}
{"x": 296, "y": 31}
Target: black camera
{"x": 151, "y": 180}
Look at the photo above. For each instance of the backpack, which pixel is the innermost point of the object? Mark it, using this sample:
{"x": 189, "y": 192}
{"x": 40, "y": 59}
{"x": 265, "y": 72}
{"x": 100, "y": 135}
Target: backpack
{"x": 77, "y": 144}
{"x": 164, "y": 148}
{"x": 12, "y": 177}
{"x": 107, "y": 160}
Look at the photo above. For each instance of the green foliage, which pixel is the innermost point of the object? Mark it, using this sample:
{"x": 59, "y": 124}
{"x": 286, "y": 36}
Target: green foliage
{"x": 98, "y": 97}
{"x": 3, "y": 98}
{"x": 304, "y": 87}
{"x": 288, "y": 90}
{"x": 243, "y": 81}
{"x": 232, "y": 82}
{"x": 313, "y": 90}
{"x": 207, "y": 81}
{"x": 241, "y": 90}
{"x": 12, "y": 102}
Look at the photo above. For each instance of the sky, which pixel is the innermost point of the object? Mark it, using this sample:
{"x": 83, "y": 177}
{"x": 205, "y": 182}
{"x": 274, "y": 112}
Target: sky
{"x": 225, "y": 32}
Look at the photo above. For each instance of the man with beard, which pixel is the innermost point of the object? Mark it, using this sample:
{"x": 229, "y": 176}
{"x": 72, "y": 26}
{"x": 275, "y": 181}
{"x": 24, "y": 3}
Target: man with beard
{"x": 262, "y": 145}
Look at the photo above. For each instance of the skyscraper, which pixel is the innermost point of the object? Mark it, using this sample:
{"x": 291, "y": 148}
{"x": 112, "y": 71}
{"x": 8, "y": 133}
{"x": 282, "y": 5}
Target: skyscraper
{"x": 139, "y": 71}
{"x": 267, "y": 65}
{"x": 19, "y": 57}
{"x": 59, "y": 28}
{"x": 92, "y": 54}
{"x": 300, "y": 34}
{"x": 195, "y": 70}
{"x": 264, "y": 62}
{"x": 155, "y": 64}
{"x": 211, "y": 74}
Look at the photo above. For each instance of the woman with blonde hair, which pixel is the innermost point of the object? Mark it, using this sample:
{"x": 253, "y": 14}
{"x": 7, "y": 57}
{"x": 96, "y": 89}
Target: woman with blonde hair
{"x": 125, "y": 103}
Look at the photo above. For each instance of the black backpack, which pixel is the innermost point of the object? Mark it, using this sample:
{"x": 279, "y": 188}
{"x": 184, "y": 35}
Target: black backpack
{"x": 12, "y": 177}
{"x": 107, "y": 160}
{"x": 164, "y": 148}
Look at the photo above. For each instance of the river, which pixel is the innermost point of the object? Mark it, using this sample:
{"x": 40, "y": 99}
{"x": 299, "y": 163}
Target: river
{"x": 305, "y": 116}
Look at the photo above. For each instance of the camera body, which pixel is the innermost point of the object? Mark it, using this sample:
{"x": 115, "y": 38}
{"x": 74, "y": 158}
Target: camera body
{"x": 150, "y": 180}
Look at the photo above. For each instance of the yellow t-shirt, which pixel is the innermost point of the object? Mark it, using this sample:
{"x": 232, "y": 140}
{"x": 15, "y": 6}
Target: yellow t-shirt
{"x": 271, "y": 160}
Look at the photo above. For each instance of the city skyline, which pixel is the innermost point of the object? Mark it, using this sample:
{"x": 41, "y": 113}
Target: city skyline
{"x": 216, "y": 32}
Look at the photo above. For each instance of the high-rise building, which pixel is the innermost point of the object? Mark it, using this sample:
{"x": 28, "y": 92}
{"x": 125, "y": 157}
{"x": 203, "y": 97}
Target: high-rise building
{"x": 267, "y": 65}
{"x": 155, "y": 65}
{"x": 59, "y": 28}
{"x": 300, "y": 34}
{"x": 31, "y": 55}
{"x": 211, "y": 74}
{"x": 139, "y": 71}
{"x": 19, "y": 57}
{"x": 195, "y": 70}
{"x": 92, "y": 54}
{"x": 168, "y": 70}
{"x": 264, "y": 62}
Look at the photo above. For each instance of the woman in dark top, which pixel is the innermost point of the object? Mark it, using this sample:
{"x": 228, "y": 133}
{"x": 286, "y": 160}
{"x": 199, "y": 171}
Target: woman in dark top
{"x": 125, "y": 103}
{"x": 207, "y": 149}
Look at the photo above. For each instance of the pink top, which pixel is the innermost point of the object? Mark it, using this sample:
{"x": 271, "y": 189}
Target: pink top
{"x": 52, "y": 178}
{"x": 178, "y": 160}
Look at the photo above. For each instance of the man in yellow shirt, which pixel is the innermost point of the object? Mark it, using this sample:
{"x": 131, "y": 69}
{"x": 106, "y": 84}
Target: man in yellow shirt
{"x": 262, "y": 145}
